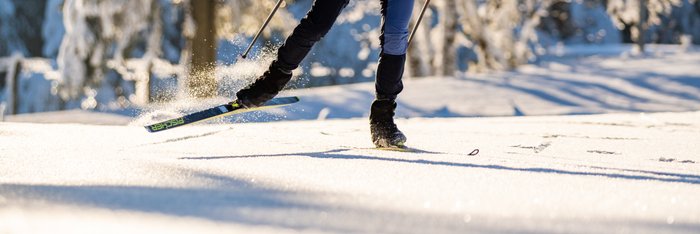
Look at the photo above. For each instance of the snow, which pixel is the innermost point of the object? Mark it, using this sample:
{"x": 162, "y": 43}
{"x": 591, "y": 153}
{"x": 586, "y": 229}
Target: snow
{"x": 602, "y": 173}
{"x": 614, "y": 169}
{"x": 580, "y": 80}
{"x": 71, "y": 116}
{"x": 619, "y": 171}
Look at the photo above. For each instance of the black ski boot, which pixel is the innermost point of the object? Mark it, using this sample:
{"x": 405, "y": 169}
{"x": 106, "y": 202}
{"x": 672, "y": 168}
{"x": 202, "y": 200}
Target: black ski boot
{"x": 381, "y": 124}
{"x": 265, "y": 87}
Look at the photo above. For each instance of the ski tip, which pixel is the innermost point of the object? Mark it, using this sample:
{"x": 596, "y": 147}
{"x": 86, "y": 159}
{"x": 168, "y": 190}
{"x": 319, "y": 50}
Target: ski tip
{"x": 153, "y": 128}
{"x": 148, "y": 128}
{"x": 168, "y": 124}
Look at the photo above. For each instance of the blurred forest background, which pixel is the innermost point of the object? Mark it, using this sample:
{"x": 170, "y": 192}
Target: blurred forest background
{"x": 111, "y": 54}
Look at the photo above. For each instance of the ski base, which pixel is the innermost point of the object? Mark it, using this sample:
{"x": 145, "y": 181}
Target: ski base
{"x": 217, "y": 111}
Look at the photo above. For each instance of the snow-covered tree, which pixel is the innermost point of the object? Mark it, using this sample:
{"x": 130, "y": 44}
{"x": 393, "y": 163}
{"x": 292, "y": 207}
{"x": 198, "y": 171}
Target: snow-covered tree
{"x": 690, "y": 22}
{"x": 502, "y": 33}
{"x": 20, "y": 30}
{"x": 681, "y": 26}
{"x": 96, "y": 32}
{"x": 246, "y": 16}
{"x": 558, "y": 21}
{"x": 422, "y": 50}
{"x": 101, "y": 35}
{"x": 638, "y": 15}
{"x": 591, "y": 24}
{"x": 52, "y": 29}
{"x": 102, "y": 47}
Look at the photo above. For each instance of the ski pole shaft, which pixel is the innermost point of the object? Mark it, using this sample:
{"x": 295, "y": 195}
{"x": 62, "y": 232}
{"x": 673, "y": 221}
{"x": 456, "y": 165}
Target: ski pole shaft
{"x": 267, "y": 21}
{"x": 420, "y": 18}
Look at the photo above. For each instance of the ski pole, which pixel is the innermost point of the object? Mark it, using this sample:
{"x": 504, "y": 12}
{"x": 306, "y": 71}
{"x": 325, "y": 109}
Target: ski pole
{"x": 267, "y": 21}
{"x": 420, "y": 18}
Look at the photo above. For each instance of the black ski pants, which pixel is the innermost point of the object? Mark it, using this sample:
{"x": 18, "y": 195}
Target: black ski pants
{"x": 394, "y": 40}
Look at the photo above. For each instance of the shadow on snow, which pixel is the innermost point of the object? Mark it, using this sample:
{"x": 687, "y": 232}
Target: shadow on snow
{"x": 336, "y": 154}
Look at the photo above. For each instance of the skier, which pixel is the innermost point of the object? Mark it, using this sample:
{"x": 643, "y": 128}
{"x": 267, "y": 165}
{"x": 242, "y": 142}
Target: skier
{"x": 317, "y": 22}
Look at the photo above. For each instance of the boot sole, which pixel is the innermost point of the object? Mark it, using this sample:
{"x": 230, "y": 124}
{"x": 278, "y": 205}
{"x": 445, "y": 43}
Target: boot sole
{"x": 390, "y": 143}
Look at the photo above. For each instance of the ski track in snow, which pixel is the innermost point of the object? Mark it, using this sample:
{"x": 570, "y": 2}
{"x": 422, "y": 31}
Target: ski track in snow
{"x": 323, "y": 177}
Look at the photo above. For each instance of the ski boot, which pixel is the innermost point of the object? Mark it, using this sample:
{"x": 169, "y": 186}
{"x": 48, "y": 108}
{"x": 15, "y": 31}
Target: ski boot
{"x": 385, "y": 134}
{"x": 265, "y": 87}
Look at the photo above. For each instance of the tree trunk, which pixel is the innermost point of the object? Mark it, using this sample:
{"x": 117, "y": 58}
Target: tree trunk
{"x": 201, "y": 82}
{"x": 12, "y": 84}
{"x": 420, "y": 51}
{"x": 642, "y": 24}
{"x": 446, "y": 64}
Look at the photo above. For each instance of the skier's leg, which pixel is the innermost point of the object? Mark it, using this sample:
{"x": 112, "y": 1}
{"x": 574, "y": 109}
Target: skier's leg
{"x": 311, "y": 29}
{"x": 396, "y": 15}
{"x": 394, "y": 41}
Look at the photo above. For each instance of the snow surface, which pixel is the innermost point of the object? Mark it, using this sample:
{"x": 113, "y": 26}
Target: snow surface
{"x": 576, "y": 80}
{"x": 71, "y": 116}
{"x": 613, "y": 173}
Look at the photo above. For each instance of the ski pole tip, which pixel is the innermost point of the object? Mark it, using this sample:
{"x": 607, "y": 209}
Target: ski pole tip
{"x": 240, "y": 57}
